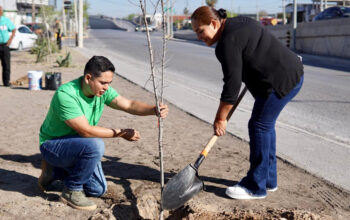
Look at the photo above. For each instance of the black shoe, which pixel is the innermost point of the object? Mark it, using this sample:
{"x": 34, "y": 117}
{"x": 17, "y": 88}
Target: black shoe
{"x": 7, "y": 84}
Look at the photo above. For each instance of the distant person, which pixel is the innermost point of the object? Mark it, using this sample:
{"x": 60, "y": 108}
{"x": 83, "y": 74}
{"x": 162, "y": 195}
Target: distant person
{"x": 71, "y": 142}
{"x": 6, "y": 26}
{"x": 272, "y": 73}
{"x": 58, "y": 30}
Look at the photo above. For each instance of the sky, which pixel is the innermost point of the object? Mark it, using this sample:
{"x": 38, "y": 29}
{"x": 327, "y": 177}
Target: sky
{"x": 122, "y": 8}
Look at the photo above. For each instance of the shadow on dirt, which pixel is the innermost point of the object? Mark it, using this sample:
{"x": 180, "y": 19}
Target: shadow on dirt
{"x": 34, "y": 159}
{"x": 127, "y": 208}
{"x": 23, "y": 183}
{"x": 131, "y": 209}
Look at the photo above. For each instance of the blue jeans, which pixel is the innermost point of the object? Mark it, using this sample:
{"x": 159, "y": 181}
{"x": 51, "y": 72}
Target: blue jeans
{"x": 262, "y": 173}
{"x": 77, "y": 162}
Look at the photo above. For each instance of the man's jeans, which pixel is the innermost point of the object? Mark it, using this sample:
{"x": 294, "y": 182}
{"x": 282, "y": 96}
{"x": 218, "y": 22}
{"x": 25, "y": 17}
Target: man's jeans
{"x": 77, "y": 162}
{"x": 263, "y": 167}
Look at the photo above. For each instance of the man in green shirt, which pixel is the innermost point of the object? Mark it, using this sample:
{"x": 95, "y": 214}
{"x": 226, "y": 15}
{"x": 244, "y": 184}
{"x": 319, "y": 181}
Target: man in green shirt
{"x": 6, "y": 26}
{"x": 70, "y": 140}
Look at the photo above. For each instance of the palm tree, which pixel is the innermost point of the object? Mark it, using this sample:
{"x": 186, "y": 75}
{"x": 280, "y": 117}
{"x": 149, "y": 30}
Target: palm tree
{"x": 211, "y": 3}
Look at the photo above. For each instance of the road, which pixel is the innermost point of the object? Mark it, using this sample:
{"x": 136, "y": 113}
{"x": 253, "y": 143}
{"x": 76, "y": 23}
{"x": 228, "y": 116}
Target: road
{"x": 313, "y": 131}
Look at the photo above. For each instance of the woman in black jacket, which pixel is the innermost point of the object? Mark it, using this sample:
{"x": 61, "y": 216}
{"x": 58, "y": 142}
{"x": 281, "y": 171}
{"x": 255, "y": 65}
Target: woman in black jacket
{"x": 272, "y": 73}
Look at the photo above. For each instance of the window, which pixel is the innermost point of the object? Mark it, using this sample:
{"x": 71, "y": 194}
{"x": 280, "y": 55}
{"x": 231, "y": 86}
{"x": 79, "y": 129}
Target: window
{"x": 24, "y": 30}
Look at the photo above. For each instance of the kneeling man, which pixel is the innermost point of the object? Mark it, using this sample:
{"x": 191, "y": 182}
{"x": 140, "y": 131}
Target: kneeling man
{"x": 70, "y": 140}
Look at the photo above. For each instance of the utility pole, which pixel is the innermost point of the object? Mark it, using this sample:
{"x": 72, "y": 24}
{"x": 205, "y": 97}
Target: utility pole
{"x": 294, "y": 24}
{"x": 321, "y": 6}
{"x": 76, "y": 25}
{"x": 80, "y": 34}
{"x": 33, "y": 11}
{"x": 284, "y": 11}
{"x": 172, "y": 19}
{"x": 168, "y": 18}
{"x": 64, "y": 23}
{"x": 257, "y": 11}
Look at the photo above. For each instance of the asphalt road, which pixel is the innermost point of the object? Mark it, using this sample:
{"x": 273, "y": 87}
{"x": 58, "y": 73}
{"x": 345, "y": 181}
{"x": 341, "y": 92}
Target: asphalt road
{"x": 313, "y": 130}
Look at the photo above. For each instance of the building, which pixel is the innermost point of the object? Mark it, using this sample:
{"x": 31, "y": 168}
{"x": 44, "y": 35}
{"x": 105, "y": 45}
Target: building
{"x": 20, "y": 11}
{"x": 25, "y": 9}
{"x": 10, "y": 9}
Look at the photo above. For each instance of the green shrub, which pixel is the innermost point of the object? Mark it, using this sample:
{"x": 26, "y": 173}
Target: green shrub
{"x": 41, "y": 49}
{"x": 64, "y": 62}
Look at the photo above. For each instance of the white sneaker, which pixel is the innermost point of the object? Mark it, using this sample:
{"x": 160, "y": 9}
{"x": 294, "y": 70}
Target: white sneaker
{"x": 272, "y": 189}
{"x": 239, "y": 192}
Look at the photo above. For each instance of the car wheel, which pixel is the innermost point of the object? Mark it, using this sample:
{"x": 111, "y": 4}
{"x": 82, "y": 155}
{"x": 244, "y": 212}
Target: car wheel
{"x": 20, "y": 46}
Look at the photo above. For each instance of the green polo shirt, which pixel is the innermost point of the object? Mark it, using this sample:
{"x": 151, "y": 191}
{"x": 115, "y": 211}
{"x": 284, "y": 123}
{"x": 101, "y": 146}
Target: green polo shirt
{"x": 69, "y": 102}
{"x": 6, "y": 26}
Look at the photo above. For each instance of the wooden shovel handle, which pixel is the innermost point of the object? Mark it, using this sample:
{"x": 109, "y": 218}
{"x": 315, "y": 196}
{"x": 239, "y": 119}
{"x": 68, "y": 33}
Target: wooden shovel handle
{"x": 213, "y": 139}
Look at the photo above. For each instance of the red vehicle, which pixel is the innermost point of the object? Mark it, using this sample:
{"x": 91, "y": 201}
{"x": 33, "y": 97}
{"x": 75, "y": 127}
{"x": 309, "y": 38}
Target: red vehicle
{"x": 268, "y": 21}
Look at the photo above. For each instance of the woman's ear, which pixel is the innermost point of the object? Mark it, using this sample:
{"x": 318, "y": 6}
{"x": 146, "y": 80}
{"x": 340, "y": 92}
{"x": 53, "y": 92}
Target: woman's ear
{"x": 216, "y": 24}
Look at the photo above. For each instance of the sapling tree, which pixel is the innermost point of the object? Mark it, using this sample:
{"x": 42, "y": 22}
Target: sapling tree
{"x": 158, "y": 95}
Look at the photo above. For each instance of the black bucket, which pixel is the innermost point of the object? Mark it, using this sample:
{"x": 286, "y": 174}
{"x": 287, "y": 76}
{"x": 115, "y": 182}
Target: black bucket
{"x": 52, "y": 80}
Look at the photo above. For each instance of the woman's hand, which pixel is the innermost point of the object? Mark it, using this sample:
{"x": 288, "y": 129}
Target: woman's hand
{"x": 164, "y": 110}
{"x": 220, "y": 127}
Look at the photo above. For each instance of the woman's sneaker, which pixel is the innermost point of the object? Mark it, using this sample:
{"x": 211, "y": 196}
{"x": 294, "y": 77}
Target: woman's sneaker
{"x": 272, "y": 189}
{"x": 77, "y": 199}
{"x": 239, "y": 192}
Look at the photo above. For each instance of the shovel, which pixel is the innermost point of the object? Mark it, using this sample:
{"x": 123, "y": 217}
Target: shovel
{"x": 184, "y": 185}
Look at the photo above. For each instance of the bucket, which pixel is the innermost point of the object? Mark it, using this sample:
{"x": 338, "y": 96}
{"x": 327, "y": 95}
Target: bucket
{"x": 34, "y": 79}
{"x": 52, "y": 80}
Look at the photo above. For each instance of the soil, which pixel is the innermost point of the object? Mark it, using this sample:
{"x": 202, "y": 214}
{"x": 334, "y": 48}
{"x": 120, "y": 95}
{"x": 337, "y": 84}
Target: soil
{"x": 132, "y": 168}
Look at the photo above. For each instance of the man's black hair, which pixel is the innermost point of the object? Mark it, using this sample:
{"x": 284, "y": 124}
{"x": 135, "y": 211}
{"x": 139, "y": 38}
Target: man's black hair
{"x": 98, "y": 64}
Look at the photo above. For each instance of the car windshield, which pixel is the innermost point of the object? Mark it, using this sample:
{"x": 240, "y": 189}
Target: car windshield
{"x": 345, "y": 10}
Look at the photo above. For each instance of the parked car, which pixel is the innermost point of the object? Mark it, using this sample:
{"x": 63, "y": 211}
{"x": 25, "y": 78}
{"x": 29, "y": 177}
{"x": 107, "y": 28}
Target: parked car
{"x": 24, "y": 38}
{"x": 333, "y": 12}
{"x": 35, "y": 27}
{"x": 143, "y": 28}
{"x": 268, "y": 21}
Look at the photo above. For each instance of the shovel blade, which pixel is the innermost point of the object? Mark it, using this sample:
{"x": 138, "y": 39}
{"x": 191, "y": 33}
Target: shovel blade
{"x": 181, "y": 188}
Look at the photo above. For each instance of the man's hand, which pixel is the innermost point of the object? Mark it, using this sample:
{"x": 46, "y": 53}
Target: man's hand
{"x": 164, "y": 110}
{"x": 129, "y": 134}
{"x": 220, "y": 127}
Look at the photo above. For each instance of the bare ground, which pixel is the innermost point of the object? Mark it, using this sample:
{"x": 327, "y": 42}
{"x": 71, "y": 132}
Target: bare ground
{"x": 132, "y": 168}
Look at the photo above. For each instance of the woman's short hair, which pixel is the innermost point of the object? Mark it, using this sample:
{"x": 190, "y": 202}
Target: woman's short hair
{"x": 205, "y": 14}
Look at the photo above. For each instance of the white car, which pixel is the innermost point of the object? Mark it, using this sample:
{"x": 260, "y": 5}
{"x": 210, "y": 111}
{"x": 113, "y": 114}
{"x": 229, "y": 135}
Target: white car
{"x": 143, "y": 28}
{"x": 24, "y": 38}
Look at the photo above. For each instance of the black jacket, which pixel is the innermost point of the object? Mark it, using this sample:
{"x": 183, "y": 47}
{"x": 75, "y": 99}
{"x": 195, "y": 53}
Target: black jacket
{"x": 249, "y": 53}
